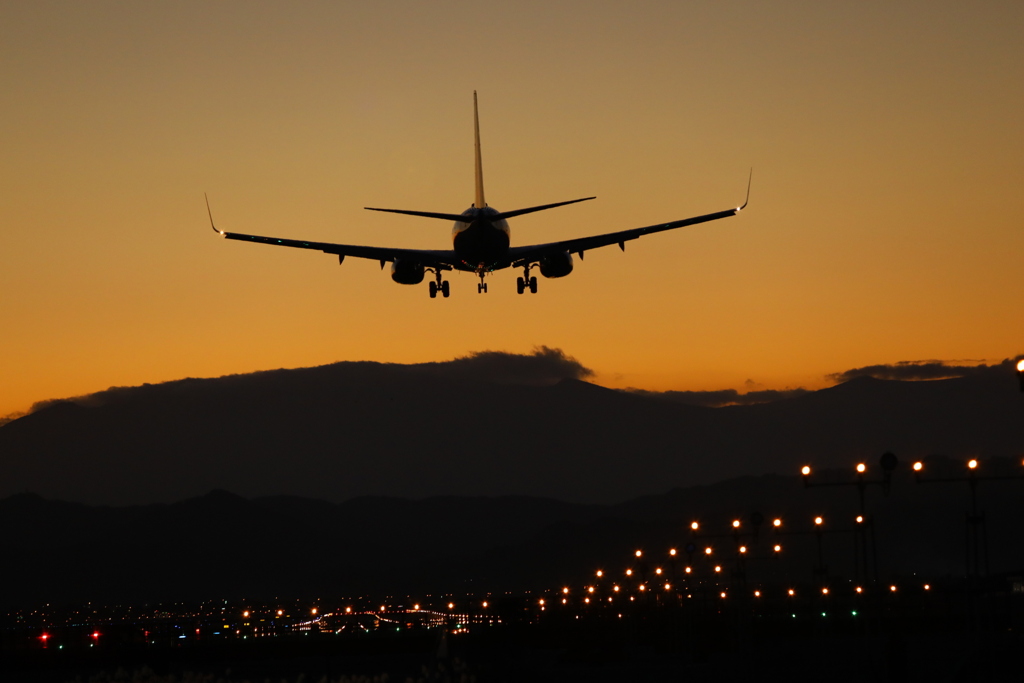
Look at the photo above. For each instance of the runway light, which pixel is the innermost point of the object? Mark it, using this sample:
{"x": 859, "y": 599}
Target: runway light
{"x": 629, "y": 572}
{"x": 824, "y": 591}
{"x": 672, "y": 552}
{"x": 735, "y": 524}
{"x": 566, "y": 589}
{"x": 707, "y": 551}
{"x": 777, "y": 523}
{"x": 615, "y": 588}
{"x": 805, "y": 470}
{"x": 586, "y": 600}
{"x": 757, "y": 594}
{"x": 927, "y": 587}
{"x": 564, "y": 601}
{"x": 600, "y": 573}
{"x": 668, "y": 586}
{"x": 777, "y": 548}
{"x": 722, "y": 594}
{"x": 859, "y": 589}
{"x": 918, "y": 466}
{"x": 688, "y": 570}
{"x": 818, "y": 521}
{"x": 860, "y": 519}
{"x": 718, "y": 567}
{"x": 590, "y": 589}
{"x": 743, "y": 548}
{"x": 658, "y": 570}
{"x": 694, "y": 526}
{"x": 639, "y": 553}
{"x": 892, "y": 588}
{"x": 541, "y": 602}
{"x": 861, "y": 467}
{"x": 643, "y": 587}
{"x": 972, "y": 464}
{"x": 792, "y": 592}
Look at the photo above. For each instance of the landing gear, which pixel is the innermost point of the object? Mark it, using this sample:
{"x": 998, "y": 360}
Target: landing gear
{"x": 482, "y": 287}
{"x": 526, "y": 281}
{"x": 438, "y": 285}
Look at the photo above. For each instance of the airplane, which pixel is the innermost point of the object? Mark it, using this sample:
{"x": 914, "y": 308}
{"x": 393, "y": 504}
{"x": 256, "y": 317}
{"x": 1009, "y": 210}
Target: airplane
{"x": 481, "y": 241}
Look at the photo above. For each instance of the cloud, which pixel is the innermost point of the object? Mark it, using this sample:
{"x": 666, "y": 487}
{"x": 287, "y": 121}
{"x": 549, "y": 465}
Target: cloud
{"x": 543, "y": 366}
{"x": 919, "y": 370}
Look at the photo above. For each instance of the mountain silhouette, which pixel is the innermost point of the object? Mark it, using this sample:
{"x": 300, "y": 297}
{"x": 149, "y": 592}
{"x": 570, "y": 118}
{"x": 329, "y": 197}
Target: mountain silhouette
{"x": 346, "y": 430}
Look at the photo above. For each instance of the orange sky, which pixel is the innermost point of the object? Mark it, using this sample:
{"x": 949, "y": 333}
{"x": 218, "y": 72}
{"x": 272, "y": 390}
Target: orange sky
{"x": 884, "y": 225}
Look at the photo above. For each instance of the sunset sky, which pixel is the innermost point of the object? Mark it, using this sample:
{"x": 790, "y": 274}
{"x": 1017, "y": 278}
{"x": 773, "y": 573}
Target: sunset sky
{"x": 885, "y": 221}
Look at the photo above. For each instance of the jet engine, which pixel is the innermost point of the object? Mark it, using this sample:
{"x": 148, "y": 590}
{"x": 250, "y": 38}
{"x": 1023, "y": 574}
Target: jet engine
{"x": 556, "y": 265}
{"x": 406, "y": 272}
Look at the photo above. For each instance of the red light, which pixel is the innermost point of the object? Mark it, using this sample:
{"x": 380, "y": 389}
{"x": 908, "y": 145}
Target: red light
{"x": 45, "y": 636}
{"x": 95, "y": 634}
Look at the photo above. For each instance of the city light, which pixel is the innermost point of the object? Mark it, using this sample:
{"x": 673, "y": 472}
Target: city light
{"x": 566, "y": 589}
{"x": 280, "y": 612}
{"x": 586, "y": 600}
{"x": 688, "y": 570}
{"x": 451, "y": 605}
{"x": 313, "y": 611}
{"x": 805, "y": 470}
{"x": 348, "y": 610}
{"x": 757, "y": 594}
{"x": 777, "y": 548}
{"x": 615, "y": 588}
{"x": 792, "y": 592}
{"x": 824, "y": 591}
{"x": 643, "y": 587}
{"x": 658, "y": 570}
{"x": 600, "y": 573}
{"x": 668, "y": 586}
{"x": 718, "y": 567}
{"x": 859, "y": 589}
{"x": 743, "y": 548}
{"x": 918, "y": 466}
{"x": 639, "y": 553}
{"x": 590, "y": 589}
{"x": 818, "y": 521}
{"x": 860, "y": 519}
{"x": 629, "y": 572}
{"x": 861, "y": 467}
{"x": 777, "y": 523}
{"x": 416, "y": 607}
{"x": 707, "y": 551}
{"x": 245, "y": 614}
{"x": 484, "y": 605}
{"x": 892, "y": 588}
{"x": 927, "y": 587}
{"x": 672, "y": 552}
{"x": 972, "y": 464}
{"x": 722, "y": 594}
{"x": 735, "y": 524}
{"x": 694, "y": 526}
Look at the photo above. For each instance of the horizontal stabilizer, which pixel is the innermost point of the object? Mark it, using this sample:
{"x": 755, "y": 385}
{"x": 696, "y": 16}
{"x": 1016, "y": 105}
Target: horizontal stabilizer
{"x": 520, "y": 212}
{"x": 427, "y": 214}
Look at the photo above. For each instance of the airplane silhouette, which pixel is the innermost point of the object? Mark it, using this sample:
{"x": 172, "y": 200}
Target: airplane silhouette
{"x": 481, "y": 241}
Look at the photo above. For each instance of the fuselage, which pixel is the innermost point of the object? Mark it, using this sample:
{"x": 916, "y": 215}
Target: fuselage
{"x": 481, "y": 241}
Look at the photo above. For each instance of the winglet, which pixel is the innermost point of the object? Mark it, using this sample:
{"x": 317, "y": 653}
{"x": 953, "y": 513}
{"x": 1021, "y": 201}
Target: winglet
{"x": 750, "y": 178}
{"x": 219, "y": 232}
{"x": 479, "y": 203}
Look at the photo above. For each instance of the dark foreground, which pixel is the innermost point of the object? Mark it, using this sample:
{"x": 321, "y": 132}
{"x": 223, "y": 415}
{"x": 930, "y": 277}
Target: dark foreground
{"x": 956, "y": 639}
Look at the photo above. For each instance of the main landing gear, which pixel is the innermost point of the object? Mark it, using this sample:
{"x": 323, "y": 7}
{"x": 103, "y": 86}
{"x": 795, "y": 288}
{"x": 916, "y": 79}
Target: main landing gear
{"x": 522, "y": 283}
{"x": 438, "y": 285}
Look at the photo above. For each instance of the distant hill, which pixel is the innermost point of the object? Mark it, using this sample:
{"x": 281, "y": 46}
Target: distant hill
{"x": 223, "y": 545}
{"x": 341, "y": 431}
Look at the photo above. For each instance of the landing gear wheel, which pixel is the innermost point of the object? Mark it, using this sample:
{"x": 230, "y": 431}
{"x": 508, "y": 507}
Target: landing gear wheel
{"x": 520, "y": 285}
{"x": 481, "y": 288}
{"x": 444, "y": 289}
{"x": 533, "y": 285}
{"x": 433, "y": 290}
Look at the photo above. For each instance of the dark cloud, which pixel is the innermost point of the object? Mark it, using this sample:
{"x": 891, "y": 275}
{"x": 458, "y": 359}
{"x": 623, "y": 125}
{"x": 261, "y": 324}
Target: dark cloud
{"x": 544, "y": 366}
{"x": 724, "y": 397}
{"x": 918, "y": 370}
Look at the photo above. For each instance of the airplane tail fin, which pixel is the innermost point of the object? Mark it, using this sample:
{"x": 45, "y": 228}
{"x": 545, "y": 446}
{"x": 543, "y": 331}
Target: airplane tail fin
{"x": 479, "y": 203}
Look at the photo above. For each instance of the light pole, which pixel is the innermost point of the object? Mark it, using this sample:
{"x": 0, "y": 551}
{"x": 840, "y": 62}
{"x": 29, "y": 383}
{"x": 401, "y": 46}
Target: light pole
{"x": 865, "y": 524}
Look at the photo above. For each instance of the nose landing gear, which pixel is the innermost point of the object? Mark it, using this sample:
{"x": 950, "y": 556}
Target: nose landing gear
{"x": 482, "y": 287}
{"x": 526, "y": 281}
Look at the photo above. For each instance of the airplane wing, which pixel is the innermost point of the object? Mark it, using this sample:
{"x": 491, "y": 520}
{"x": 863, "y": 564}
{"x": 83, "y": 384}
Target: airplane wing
{"x": 441, "y": 259}
{"x": 529, "y": 254}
